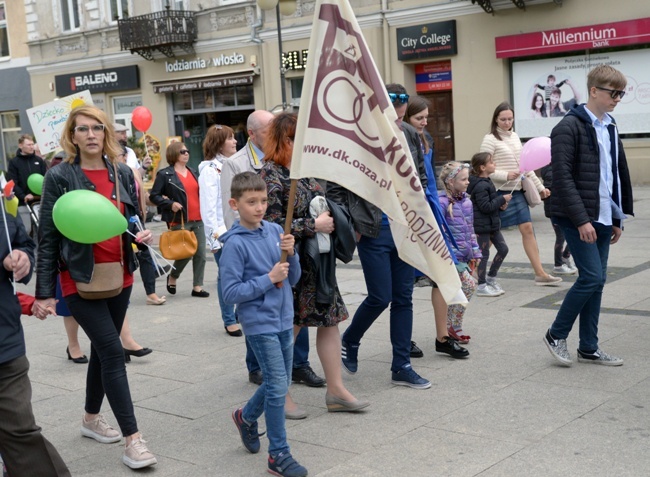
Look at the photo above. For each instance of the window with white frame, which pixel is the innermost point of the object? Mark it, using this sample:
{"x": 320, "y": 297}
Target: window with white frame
{"x": 70, "y": 14}
{"x": 119, "y": 9}
{"x": 160, "y": 5}
{"x": 9, "y": 133}
{"x": 4, "y": 36}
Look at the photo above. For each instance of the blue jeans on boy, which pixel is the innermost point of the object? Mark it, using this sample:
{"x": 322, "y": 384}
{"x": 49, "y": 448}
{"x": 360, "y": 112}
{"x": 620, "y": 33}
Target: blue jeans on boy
{"x": 274, "y": 352}
{"x": 585, "y": 295}
{"x": 389, "y": 281}
{"x": 300, "y": 352}
{"x": 227, "y": 311}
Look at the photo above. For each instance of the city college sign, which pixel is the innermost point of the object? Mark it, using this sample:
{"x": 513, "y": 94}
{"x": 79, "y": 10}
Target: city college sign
{"x": 632, "y": 32}
{"x": 427, "y": 41}
{"x": 98, "y": 81}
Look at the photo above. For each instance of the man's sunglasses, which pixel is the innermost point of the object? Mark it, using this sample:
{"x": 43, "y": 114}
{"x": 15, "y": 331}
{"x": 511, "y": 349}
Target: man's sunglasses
{"x": 402, "y": 98}
{"x": 614, "y": 93}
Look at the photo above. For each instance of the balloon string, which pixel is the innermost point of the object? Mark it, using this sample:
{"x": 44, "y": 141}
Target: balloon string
{"x": 11, "y": 252}
{"x": 156, "y": 257}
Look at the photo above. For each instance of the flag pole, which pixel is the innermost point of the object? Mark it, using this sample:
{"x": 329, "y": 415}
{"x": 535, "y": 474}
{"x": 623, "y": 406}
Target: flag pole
{"x": 288, "y": 220}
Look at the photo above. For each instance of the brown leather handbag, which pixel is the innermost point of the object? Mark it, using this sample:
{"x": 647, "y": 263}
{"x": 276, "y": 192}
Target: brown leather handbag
{"x": 178, "y": 244}
{"x": 107, "y": 278}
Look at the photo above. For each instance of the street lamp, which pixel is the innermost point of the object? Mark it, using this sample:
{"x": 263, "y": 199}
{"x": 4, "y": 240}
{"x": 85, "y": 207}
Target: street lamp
{"x": 286, "y": 7}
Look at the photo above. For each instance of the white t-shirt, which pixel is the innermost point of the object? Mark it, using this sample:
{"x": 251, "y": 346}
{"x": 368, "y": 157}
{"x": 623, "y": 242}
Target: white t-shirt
{"x": 132, "y": 159}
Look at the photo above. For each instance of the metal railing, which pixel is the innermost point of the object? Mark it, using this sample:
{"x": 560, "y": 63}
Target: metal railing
{"x": 159, "y": 31}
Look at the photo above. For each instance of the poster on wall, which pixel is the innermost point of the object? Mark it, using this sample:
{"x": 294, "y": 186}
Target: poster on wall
{"x": 47, "y": 120}
{"x": 544, "y": 90}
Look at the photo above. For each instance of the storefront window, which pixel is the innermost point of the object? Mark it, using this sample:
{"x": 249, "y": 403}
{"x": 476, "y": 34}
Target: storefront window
{"x": 202, "y": 99}
{"x": 183, "y": 101}
{"x": 10, "y": 130}
{"x": 225, "y": 97}
{"x": 245, "y": 95}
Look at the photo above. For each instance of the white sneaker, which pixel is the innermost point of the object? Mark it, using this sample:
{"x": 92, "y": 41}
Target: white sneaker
{"x": 492, "y": 281}
{"x": 564, "y": 269}
{"x": 486, "y": 290}
{"x": 100, "y": 430}
{"x": 137, "y": 455}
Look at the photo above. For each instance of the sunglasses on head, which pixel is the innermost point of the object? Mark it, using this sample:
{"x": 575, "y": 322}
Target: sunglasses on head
{"x": 614, "y": 93}
{"x": 402, "y": 98}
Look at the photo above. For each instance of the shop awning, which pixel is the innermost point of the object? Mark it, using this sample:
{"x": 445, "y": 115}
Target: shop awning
{"x": 187, "y": 84}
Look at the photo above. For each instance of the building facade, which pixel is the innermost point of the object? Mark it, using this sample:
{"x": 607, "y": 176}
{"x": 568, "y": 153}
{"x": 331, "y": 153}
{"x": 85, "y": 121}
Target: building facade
{"x": 464, "y": 59}
{"x": 15, "y": 91}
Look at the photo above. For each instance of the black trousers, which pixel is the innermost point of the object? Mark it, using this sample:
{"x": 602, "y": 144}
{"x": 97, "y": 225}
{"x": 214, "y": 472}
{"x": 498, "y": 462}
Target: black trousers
{"x": 102, "y": 321}
{"x": 25, "y": 451}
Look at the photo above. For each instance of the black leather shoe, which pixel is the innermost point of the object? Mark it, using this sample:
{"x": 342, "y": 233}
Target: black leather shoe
{"x": 307, "y": 376}
{"x": 256, "y": 377}
{"x": 200, "y": 293}
{"x": 236, "y": 332}
{"x": 452, "y": 348}
{"x": 80, "y": 360}
{"x": 416, "y": 352}
{"x": 171, "y": 289}
{"x": 138, "y": 353}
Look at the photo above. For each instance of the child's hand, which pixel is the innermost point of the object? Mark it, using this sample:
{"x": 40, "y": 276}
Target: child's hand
{"x": 279, "y": 272}
{"x": 287, "y": 243}
{"x": 507, "y": 197}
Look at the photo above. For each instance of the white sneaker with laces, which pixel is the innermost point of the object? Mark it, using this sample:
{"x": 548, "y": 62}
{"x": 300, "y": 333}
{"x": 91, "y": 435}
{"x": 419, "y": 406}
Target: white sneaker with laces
{"x": 492, "y": 281}
{"x": 486, "y": 290}
{"x": 564, "y": 269}
{"x": 100, "y": 430}
{"x": 137, "y": 455}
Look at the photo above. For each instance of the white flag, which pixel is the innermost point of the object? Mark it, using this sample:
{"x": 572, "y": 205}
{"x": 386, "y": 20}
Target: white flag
{"x": 348, "y": 133}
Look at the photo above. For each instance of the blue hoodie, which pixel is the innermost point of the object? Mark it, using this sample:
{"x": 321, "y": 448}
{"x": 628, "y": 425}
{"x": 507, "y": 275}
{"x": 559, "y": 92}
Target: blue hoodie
{"x": 247, "y": 258}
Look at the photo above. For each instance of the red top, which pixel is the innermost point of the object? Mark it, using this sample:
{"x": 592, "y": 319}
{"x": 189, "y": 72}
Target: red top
{"x": 108, "y": 250}
{"x": 192, "y": 191}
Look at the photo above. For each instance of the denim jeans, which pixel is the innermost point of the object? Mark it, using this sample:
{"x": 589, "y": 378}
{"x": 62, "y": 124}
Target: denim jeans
{"x": 274, "y": 353}
{"x": 584, "y": 297}
{"x": 102, "y": 321}
{"x": 389, "y": 281}
{"x": 227, "y": 311}
{"x": 147, "y": 270}
{"x": 300, "y": 352}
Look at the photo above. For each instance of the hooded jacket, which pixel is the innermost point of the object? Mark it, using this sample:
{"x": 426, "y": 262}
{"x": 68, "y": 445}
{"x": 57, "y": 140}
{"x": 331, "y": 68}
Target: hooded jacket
{"x": 461, "y": 224}
{"x": 575, "y": 162}
{"x": 20, "y": 168}
{"x": 246, "y": 260}
{"x": 487, "y": 202}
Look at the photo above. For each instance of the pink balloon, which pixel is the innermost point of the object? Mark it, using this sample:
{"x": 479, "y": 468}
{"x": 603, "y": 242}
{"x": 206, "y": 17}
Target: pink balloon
{"x": 141, "y": 118}
{"x": 535, "y": 154}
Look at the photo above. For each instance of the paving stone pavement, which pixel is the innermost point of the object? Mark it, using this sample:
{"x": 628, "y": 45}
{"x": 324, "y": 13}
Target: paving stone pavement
{"x": 508, "y": 410}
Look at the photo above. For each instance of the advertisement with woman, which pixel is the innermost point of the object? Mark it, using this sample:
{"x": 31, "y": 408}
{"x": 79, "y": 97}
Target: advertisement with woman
{"x": 545, "y": 90}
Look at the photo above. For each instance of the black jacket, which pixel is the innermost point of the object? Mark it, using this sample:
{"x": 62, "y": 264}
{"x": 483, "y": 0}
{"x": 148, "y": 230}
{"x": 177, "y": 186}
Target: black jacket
{"x": 20, "y": 168}
{"x": 56, "y": 252}
{"x": 547, "y": 178}
{"x": 167, "y": 184}
{"x": 12, "y": 339}
{"x": 486, "y": 202}
{"x": 575, "y": 163}
{"x": 366, "y": 217}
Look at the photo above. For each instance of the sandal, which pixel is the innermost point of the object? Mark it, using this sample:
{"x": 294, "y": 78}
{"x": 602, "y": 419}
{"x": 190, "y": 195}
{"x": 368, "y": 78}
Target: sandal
{"x": 171, "y": 289}
{"x": 461, "y": 338}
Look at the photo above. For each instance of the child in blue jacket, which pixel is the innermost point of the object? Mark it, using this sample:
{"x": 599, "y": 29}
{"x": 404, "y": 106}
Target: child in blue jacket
{"x": 254, "y": 279}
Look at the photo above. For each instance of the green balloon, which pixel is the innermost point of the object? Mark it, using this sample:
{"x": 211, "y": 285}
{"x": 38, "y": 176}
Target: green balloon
{"x": 35, "y": 184}
{"x": 87, "y": 217}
